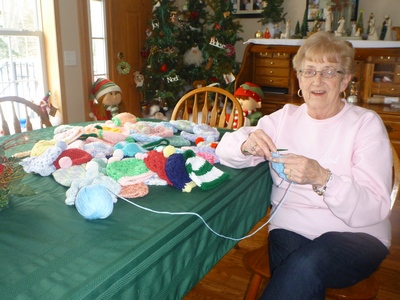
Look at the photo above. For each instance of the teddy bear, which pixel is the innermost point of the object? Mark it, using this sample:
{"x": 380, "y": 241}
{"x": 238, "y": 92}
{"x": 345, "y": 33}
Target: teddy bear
{"x": 105, "y": 98}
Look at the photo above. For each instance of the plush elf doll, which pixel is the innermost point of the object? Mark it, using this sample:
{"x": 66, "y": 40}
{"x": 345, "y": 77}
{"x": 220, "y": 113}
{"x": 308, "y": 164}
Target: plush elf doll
{"x": 106, "y": 96}
{"x": 249, "y": 96}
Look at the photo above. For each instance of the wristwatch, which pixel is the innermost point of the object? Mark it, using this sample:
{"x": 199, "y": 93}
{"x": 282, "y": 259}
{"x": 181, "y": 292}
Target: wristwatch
{"x": 321, "y": 191}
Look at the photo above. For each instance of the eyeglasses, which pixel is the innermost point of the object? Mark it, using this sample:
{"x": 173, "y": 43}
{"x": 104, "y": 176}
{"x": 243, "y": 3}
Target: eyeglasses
{"x": 326, "y": 73}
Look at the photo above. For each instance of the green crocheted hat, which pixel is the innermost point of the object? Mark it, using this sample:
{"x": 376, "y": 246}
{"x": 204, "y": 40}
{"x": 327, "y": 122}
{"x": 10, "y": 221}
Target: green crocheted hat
{"x": 204, "y": 174}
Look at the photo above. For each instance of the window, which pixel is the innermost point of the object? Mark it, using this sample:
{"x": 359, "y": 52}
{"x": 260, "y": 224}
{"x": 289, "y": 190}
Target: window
{"x": 98, "y": 39}
{"x": 22, "y": 58}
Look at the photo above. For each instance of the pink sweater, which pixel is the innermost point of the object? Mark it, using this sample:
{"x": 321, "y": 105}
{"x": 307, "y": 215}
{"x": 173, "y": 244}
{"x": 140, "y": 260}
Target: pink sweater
{"x": 354, "y": 145}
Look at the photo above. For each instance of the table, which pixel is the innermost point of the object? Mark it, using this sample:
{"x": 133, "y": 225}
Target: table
{"x": 49, "y": 251}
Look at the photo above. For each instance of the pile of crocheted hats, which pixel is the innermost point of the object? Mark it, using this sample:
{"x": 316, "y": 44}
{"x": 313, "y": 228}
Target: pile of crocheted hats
{"x": 125, "y": 156}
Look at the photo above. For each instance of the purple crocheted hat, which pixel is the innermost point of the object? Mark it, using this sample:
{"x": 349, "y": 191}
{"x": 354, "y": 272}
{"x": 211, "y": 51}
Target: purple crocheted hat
{"x": 176, "y": 172}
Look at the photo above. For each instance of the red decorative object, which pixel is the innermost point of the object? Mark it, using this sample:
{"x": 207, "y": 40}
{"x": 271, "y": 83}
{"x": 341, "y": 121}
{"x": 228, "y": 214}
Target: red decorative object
{"x": 217, "y": 26}
{"x": 145, "y": 53}
{"x": 163, "y": 68}
{"x": 194, "y": 15}
{"x": 230, "y": 49}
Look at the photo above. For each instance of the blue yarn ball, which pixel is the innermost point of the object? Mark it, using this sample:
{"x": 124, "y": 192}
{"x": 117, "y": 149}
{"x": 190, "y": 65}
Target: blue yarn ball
{"x": 94, "y": 202}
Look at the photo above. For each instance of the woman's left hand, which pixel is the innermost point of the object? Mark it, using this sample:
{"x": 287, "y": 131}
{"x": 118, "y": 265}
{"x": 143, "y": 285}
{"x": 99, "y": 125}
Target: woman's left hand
{"x": 303, "y": 170}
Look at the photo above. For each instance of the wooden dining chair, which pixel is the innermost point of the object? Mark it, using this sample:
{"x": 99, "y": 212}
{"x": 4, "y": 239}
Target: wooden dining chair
{"x": 209, "y": 105}
{"x": 257, "y": 261}
{"x": 14, "y": 109}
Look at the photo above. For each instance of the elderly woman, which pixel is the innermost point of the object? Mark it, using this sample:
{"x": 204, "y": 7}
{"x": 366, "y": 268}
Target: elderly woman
{"x": 332, "y": 229}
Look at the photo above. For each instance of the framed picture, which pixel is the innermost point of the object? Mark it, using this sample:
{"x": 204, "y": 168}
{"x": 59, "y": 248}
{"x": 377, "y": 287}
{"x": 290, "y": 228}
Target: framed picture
{"x": 247, "y": 8}
{"x": 339, "y": 8}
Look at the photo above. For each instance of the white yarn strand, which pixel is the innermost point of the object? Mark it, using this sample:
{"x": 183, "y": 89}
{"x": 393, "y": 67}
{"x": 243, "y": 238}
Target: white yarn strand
{"x": 205, "y": 223}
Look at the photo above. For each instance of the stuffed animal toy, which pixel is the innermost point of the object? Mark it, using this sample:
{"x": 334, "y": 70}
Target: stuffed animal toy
{"x": 106, "y": 96}
{"x": 249, "y": 96}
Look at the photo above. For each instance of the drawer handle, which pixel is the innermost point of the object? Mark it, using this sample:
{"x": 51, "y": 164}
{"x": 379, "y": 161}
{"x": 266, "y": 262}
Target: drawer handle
{"x": 392, "y": 89}
{"x": 263, "y": 53}
{"x": 271, "y": 81}
{"x": 271, "y": 62}
{"x": 271, "y": 72}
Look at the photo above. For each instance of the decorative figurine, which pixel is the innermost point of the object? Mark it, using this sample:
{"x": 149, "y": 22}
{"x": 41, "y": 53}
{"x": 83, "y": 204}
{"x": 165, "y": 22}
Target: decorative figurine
{"x": 286, "y": 35}
{"x": 386, "y": 33}
{"x": 267, "y": 34}
{"x": 328, "y": 18}
{"x": 372, "y": 34}
{"x": 340, "y": 30}
{"x": 353, "y": 97}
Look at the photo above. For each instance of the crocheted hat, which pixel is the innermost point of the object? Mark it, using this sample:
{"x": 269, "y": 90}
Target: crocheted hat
{"x": 103, "y": 86}
{"x": 249, "y": 89}
{"x": 136, "y": 190}
{"x": 204, "y": 174}
{"x": 128, "y": 171}
{"x": 156, "y": 161}
{"x": 122, "y": 118}
{"x": 176, "y": 172}
{"x": 76, "y": 157}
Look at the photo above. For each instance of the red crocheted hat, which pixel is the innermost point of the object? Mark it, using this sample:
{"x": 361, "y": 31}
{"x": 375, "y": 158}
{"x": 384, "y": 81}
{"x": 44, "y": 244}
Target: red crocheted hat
{"x": 77, "y": 156}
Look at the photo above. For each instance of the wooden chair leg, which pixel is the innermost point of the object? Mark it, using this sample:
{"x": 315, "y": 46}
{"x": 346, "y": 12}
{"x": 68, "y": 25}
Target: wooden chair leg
{"x": 254, "y": 287}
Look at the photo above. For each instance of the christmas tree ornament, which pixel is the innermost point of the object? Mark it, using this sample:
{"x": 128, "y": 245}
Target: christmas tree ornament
{"x": 155, "y": 24}
{"x": 193, "y": 56}
{"x": 230, "y": 49}
{"x": 138, "y": 78}
{"x": 144, "y": 53}
{"x": 157, "y": 5}
{"x": 163, "y": 68}
{"x": 209, "y": 63}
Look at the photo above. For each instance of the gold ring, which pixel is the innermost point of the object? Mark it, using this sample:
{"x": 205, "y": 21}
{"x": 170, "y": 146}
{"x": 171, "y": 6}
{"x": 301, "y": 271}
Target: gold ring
{"x": 254, "y": 147}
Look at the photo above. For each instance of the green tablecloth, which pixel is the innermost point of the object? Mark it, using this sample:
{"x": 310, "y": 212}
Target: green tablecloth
{"x": 49, "y": 251}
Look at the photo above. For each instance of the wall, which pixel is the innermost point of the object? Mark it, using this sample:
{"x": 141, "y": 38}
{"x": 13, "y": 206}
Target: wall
{"x": 73, "y": 96}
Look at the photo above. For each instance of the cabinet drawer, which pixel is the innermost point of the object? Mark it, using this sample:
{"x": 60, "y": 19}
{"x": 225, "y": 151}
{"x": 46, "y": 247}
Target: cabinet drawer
{"x": 274, "y": 72}
{"x": 277, "y": 55}
{"x": 388, "y": 89}
{"x": 274, "y": 63}
{"x": 272, "y": 81}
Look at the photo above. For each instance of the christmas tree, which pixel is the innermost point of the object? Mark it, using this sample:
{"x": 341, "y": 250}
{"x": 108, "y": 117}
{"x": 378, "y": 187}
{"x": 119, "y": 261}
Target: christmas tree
{"x": 272, "y": 12}
{"x": 360, "y": 21}
{"x": 219, "y": 52}
{"x": 192, "y": 40}
{"x": 304, "y": 25}
{"x": 162, "y": 81}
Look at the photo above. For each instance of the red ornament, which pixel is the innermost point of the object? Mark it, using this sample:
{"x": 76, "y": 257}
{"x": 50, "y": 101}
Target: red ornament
{"x": 217, "y": 26}
{"x": 145, "y": 53}
{"x": 163, "y": 68}
{"x": 194, "y": 15}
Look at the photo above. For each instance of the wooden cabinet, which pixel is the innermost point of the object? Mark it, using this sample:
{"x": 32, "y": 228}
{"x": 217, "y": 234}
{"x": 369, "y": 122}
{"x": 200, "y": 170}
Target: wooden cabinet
{"x": 270, "y": 67}
{"x": 377, "y": 73}
{"x": 383, "y": 72}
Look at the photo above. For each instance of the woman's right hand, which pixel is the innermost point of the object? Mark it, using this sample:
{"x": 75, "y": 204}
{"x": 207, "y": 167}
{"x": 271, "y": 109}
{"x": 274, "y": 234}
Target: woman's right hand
{"x": 258, "y": 144}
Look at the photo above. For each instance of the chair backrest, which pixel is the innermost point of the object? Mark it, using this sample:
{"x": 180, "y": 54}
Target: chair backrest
{"x": 396, "y": 176}
{"x": 214, "y": 104}
{"x": 17, "y": 110}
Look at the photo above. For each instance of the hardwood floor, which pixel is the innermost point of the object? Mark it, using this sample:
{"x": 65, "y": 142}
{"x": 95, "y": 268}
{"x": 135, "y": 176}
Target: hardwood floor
{"x": 228, "y": 280}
